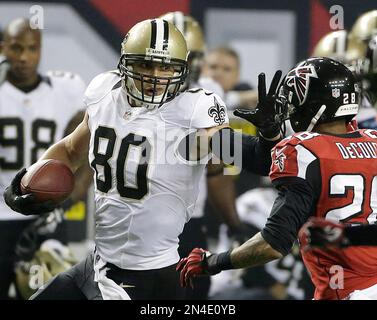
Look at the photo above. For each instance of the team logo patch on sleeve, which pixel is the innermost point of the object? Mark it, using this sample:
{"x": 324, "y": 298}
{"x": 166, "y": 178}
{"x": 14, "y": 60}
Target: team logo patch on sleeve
{"x": 299, "y": 79}
{"x": 280, "y": 159}
{"x": 217, "y": 112}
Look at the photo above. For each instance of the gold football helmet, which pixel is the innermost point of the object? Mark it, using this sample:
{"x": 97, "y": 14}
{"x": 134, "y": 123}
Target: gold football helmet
{"x": 339, "y": 46}
{"x": 193, "y": 34}
{"x": 152, "y": 42}
{"x": 49, "y": 260}
{"x": 365, "y": 26}
{"x": 362, "y": 32}
{"x": 333, "y": 45}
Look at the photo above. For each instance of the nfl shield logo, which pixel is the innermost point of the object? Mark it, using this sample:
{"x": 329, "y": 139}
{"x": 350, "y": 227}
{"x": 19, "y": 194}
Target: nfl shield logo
{"x": 336, "y": 93}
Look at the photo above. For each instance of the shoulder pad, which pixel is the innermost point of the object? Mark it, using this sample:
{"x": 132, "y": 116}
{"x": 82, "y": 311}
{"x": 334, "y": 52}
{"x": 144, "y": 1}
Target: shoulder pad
{"x": 211, "y": 85}
{"x": 100, "y": 86}
{"x": 210, "y": 111}
{"x": 196, "y": 108}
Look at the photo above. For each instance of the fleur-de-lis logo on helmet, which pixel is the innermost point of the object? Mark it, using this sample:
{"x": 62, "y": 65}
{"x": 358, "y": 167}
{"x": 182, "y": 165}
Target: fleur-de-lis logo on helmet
{"x": 217, "y": 112}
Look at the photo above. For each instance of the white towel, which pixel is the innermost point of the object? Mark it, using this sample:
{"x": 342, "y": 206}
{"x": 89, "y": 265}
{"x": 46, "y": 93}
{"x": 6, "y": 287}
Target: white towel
{"x": 109, "y": 289}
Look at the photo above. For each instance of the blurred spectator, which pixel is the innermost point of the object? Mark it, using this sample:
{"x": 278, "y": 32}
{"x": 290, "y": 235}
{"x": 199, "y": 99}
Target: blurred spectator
{"x": 223, "y": 65}
{"x": 35, "y": 111}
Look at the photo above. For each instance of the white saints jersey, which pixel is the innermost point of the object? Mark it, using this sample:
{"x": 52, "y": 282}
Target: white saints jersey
{"x": 210, "y": 85}
{"x": 145, "y": 190}
{"x": 31, "y": 122}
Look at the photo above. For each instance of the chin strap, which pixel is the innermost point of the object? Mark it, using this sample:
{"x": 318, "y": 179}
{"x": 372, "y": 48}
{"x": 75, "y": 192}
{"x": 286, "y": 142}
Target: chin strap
{"x": 316, "y": 118}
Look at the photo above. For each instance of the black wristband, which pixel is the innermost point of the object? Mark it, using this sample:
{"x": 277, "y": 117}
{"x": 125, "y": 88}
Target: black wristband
{"x": 223, "y": 260}
{"x": 218, "y": 262}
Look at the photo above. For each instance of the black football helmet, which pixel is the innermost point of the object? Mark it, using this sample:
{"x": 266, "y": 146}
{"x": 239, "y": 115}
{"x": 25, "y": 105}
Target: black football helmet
{"x": 317, "y": 90}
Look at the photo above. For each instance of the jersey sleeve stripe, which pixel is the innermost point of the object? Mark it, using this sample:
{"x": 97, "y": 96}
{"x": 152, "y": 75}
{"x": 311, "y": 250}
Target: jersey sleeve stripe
{"x": 304, "y": 159}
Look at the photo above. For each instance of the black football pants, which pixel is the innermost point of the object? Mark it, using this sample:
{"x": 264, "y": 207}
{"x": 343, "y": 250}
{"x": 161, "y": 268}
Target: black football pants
{"x": 78, "y": 283}
{"x": 10, "y": 232}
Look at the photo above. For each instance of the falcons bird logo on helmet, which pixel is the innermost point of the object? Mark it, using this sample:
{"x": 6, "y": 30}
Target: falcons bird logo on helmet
{"x": 299, "y": 79}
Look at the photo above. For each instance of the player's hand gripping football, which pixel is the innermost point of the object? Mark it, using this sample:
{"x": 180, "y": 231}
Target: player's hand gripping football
{"x": 263, "y": 116}
{"x": 198, "y": 263}
{"x": 25, "y": 203}
{"x": 321, "y": 233}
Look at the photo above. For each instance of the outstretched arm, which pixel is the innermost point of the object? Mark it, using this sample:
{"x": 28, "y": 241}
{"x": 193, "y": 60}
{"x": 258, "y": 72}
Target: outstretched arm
{"x": 251, "y": 153}
{"x": 73, "y": 149}
{"x": 254, "y": 252}
{"x": 234, "y": 148}
{"x": 290, "y": 211}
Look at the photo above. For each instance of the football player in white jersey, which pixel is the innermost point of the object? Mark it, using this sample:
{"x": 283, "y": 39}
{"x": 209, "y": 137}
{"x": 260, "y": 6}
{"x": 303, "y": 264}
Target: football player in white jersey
{"x": 35, "y": 111}
{"x": 146, "y": 176}
{"x": 219, "y": 188}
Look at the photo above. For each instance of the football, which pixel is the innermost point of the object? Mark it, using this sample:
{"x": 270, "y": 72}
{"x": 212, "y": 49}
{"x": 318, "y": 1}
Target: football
{"x": 48, "y": 180}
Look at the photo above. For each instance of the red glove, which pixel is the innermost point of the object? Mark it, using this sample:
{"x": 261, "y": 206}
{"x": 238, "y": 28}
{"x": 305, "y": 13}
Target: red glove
{"x": 199, "y": 262}
{"x": 318, "y": 232}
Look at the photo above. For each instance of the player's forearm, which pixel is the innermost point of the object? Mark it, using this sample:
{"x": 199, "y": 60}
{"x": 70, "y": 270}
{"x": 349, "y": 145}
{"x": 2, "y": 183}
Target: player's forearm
{"x": 221, "y": 194}
{"x": 253, "y": 252}
{"x": 250, "y": 153}
{"x": 68, "y": 153}
{"x": 256, "y": 154}
{"x": 59, "y": 151}
{"x": 73, "y": 149}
